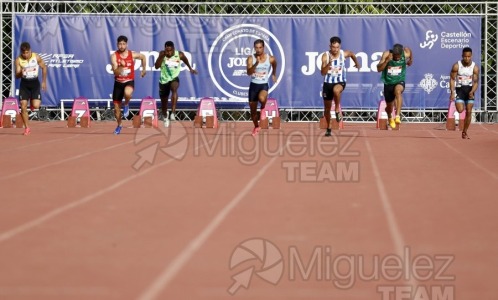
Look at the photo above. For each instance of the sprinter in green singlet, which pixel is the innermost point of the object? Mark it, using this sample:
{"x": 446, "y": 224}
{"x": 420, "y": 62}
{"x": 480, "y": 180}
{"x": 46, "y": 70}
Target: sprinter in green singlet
{"x": 393, "y": 67}
{"x": 169, "y": 61}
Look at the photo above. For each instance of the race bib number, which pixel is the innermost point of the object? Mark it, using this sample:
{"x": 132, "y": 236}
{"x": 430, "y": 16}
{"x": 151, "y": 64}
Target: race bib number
{"x": 394, "y": 71}
{"x": 335, "y": 70}
{"x": 29, "y": 73}
{"x": 260, "y": 75}
{"x": 465, "y": 80}
{"x": 126, "y": 71}
{"x": 172, "y": 64}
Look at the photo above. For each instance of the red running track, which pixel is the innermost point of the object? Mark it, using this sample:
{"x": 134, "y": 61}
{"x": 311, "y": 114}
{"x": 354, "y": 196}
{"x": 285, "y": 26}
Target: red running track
{"x": 184, "y": 213}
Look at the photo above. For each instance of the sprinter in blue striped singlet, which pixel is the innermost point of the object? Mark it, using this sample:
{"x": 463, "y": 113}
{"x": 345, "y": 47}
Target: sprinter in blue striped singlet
{"x": 334, "y": 71}
{"x": 259, "y": 66}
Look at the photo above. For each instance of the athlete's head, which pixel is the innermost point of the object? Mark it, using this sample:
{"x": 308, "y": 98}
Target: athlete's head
{"x": 397, "y": 51}
{"x": 169, "y": 48}
{"x": 259, "y": 47}
{"x": 25, "y": 50}
{"x": 122, "y": 43}
{"x": 335, "y": 44}
{"x": 467, "y": 56}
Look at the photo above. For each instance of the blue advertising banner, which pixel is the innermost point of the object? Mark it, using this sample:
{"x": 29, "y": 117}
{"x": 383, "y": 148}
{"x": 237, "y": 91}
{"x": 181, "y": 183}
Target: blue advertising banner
{"x": 77, "y": 52}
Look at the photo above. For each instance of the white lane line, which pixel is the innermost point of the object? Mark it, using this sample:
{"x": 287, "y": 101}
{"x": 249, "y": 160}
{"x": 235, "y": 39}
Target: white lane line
{"x": 195, "y": 244}
{"x": 399, "y": 243}
{"x": 466, "y": 157}
{"x": 51, "y": 164}
{"x": 60, "y": 210}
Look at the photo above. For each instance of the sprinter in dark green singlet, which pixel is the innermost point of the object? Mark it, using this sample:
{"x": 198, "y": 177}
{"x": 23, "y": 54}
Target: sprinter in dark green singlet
{"x": 393, "y": 67}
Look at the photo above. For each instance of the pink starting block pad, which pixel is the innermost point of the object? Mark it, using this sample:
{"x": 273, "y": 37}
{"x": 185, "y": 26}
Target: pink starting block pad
{"x": 207, "y": 108}
{"x": 148, "y": 108}
{"x": 271, "y": 115}
{"x": 271, "y": 108}
{"x": 452, "y": 116}
{"x": 10, "y": 107}
{"x": 382, "y": 115}
{"x": 81, "y": 109}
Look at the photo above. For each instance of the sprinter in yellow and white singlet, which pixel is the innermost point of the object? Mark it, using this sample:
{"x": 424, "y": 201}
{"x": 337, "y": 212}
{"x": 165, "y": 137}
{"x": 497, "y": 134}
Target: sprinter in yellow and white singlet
{"x": 28, "y": 65}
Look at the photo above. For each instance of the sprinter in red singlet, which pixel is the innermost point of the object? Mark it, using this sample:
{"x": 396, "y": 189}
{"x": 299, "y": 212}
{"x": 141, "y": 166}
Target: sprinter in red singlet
{"x": 123, "y": 66}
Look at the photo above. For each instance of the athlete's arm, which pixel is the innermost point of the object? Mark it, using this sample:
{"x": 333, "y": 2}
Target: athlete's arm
{"x": 185, "y": 61}
{"x": 140, "y": 56}
{"x": 351, "y": 54}
{"x": 386, "y": 57}
{"x": 251, "y": 68}
{"x": 408, "y": 56}
{"x": 475, "y": 81}
{"x": 325, "y": 64}
{"x": 43, "y": 66}
{"x": 273, "y": 62}
{"x": 114, "y": 63}
{"x": 18, "y": 68}
{"x": 159, "y": 59}
{"x": 453, "y": 74}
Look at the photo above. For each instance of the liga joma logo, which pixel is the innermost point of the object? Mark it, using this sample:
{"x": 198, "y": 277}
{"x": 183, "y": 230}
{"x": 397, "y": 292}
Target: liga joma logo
{"x": 228, "y": 57}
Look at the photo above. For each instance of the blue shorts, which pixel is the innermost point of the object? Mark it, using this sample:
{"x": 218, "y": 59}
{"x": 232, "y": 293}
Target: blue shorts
{"x": 254, "y": 89}
{"x": 462, "y": 95}
{"x": 470, "y": 101}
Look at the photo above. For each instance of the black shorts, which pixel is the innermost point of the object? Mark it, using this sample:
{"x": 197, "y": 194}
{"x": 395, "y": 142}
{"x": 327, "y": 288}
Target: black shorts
{"x": 119, "y": 88}
{"x": 165, "y": 88}
{"x": 29, "y": 89}
{"x": 462, "y": 93}
{"x": 254, "y": 89}
{"x": 389, "y": 91}
{"x": 328, "y": 89}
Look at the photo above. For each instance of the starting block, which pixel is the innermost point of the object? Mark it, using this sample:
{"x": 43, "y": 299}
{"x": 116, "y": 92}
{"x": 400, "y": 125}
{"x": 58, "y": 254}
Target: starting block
{"x": 148, "y": 122}
{"x": 272, "y": 115}
{"x": 333, "y": 122}
{"x": 85, "y": 122}
{"x": 71, "y": 121}
{"x": 80, "y": 113}
{"x": 382, "y": 120}
{"x": 10, "y": 113}
{"x": 6, "y": 121}
{"x": 198, "y": 121}
{"x": 148, "y": 114}
{"x": 206, "y": 114}
{"x": 19, "y": 123}
{"x": 452, "y": 116}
